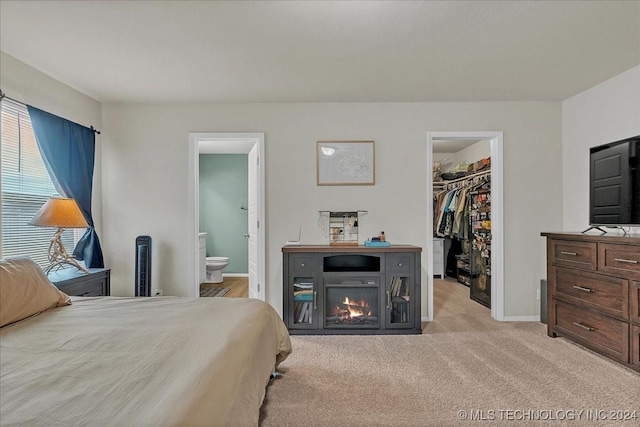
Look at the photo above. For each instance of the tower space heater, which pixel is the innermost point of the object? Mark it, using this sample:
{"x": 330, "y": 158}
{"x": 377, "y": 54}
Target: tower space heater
{"x": 143, "y": 266}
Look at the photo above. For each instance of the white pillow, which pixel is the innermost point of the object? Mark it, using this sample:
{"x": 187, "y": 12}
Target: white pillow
{"x": 26, "y": 291}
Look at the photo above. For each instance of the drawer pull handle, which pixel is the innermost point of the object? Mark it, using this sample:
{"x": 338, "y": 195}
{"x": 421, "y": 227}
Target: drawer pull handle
{"x": 628, "y": 261}
{"x": 399, "y": 264}
{"x": 568, "y": 253}
{"x": 586, "y": 328}
{"x": 315, "y": 297}
{"x": 302, "y": 265}
{"x": 581, "y": 288}
{"x": 388, "y": 300}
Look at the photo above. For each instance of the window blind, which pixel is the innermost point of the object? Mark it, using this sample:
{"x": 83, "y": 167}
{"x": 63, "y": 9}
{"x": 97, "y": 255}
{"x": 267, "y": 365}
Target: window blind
{"x": 26, "y": 186}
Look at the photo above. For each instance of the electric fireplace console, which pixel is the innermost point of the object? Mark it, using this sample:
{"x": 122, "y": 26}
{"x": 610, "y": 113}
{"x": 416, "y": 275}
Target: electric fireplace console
{"x": 351, "y": 289}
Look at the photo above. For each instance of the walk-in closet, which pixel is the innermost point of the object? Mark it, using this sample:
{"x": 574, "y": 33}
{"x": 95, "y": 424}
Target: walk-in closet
{"x": 462, "y": 216}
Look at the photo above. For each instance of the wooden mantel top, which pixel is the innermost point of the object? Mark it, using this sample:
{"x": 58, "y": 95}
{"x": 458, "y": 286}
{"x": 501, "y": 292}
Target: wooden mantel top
{"x": 351, "y": 249}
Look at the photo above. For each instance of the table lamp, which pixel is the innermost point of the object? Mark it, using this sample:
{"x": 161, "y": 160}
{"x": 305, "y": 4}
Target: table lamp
{"x": 62, "y": 213}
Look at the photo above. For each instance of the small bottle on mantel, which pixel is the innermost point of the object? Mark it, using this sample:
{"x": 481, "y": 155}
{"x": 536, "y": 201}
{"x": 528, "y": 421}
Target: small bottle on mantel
{"x": 382, "y": 238}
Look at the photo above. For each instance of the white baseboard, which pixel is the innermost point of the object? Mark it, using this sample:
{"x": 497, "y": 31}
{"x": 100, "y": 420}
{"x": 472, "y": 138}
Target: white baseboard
{"x": 505, "y": 319}
{"x": 235, "y": 274}
{"x": 521, "y": 318}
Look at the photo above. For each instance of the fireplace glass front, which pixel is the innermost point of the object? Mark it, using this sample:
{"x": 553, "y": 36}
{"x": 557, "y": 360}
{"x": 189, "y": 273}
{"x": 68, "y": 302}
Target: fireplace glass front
{"x": 351, "y": 306}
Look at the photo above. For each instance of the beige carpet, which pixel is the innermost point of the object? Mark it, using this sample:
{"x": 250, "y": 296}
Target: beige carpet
{"x": 464, "y": 361}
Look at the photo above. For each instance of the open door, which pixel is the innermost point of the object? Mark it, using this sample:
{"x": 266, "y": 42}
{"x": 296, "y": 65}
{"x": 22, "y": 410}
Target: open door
{"x": 254, "y": 165}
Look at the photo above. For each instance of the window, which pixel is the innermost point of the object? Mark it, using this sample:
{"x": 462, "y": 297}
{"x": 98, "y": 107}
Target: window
{"x": 26, "y": 186}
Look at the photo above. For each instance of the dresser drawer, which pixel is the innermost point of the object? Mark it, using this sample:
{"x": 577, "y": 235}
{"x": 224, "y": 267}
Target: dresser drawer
{"x": 93, "y": 288}
{"x": 635, "y": 346}
{"x": 599, "y": 292}
{"x": 567, "y": 253}
{"x": 622, "y": 260}
{"x": 438, "y": 247}
{"x": 634, "y": 302}
{"x": 594, "y": 330}
{"x": 399, "y": 263}
{"x": 74, "y": 282}
{"x": 303, "y": 264}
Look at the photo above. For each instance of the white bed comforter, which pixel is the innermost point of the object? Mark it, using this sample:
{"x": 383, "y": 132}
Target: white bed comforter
{"x": 141, "y": 362}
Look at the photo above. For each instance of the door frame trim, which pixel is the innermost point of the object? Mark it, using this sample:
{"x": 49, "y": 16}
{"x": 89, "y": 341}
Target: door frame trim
{"x": 497, "y": 216}
{"x": 193, "y": 202}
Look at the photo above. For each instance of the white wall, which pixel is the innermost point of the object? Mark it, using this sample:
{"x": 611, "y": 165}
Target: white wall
{"x": 145, "y": 161}
{"x": 144, "y": 173}
{"x": 605, "y": 113}
{"x": 473, "y": 153}
{"x": 23, "y": 83}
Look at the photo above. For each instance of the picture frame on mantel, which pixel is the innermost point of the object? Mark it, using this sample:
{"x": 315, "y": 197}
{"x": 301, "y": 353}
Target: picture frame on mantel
{"x": 345, "y": 163}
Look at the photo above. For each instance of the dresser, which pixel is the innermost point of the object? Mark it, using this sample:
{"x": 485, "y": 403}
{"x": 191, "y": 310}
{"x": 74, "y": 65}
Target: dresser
{"x": 594, "y": 292}
{"x": 75, "y": 282}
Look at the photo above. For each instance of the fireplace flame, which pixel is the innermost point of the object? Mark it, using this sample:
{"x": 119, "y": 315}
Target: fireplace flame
{"x": 355, "y": 308}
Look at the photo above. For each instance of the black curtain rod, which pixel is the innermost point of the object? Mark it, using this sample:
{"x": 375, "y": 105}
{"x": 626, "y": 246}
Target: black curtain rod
{"x": 3, "y": 96}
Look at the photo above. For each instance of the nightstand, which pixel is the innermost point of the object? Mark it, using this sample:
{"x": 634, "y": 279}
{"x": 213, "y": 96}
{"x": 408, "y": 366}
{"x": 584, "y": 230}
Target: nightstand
{"x": 74, "y": 282}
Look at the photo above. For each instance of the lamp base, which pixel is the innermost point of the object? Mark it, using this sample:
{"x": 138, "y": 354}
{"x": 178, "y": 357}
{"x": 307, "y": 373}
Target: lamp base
{"x": 58, "y": 256}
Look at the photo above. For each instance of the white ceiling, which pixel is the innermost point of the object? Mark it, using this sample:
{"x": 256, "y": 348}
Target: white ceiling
{"x": 318, "y": 51}
{"x": 452, "y": 145}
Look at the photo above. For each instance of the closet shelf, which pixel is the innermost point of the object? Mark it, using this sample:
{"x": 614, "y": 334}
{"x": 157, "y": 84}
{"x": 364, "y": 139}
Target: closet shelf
{"x": 464, "y": 178}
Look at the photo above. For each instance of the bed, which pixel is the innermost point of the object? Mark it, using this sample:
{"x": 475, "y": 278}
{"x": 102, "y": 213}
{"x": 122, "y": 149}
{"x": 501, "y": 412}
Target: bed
{"x": 136, "y": 361}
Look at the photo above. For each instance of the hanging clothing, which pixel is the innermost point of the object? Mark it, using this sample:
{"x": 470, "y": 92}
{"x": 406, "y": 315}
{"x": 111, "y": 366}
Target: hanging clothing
{"x": 452, "y": 208}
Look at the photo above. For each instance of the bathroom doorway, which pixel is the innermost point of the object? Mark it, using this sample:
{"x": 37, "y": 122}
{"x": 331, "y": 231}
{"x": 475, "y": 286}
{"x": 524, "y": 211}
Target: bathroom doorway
{"x": 252, "y": 145}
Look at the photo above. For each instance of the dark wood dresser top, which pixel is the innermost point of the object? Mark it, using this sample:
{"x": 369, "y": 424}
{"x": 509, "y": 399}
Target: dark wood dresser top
{"x": 633, "y": 239}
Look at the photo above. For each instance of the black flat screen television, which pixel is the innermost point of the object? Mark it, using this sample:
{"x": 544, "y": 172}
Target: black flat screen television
{"x": 614, "y": 184}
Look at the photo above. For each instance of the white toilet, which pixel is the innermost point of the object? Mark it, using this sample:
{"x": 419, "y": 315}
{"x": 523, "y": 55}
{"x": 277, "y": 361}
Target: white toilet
{"x": 215, "y": 264}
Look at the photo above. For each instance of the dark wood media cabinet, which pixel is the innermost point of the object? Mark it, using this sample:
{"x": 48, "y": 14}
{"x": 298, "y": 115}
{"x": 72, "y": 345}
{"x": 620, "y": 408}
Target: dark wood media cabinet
{"x": 351, "y": 289}
{"x": 593, "y": 293}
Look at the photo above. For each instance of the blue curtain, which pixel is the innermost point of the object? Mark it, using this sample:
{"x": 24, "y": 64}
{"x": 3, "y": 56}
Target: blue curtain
{"x": 68, "y": 151}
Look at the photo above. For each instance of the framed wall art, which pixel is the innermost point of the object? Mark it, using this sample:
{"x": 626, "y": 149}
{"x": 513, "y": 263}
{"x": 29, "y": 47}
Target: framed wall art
{"x": 345, "y": 163}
